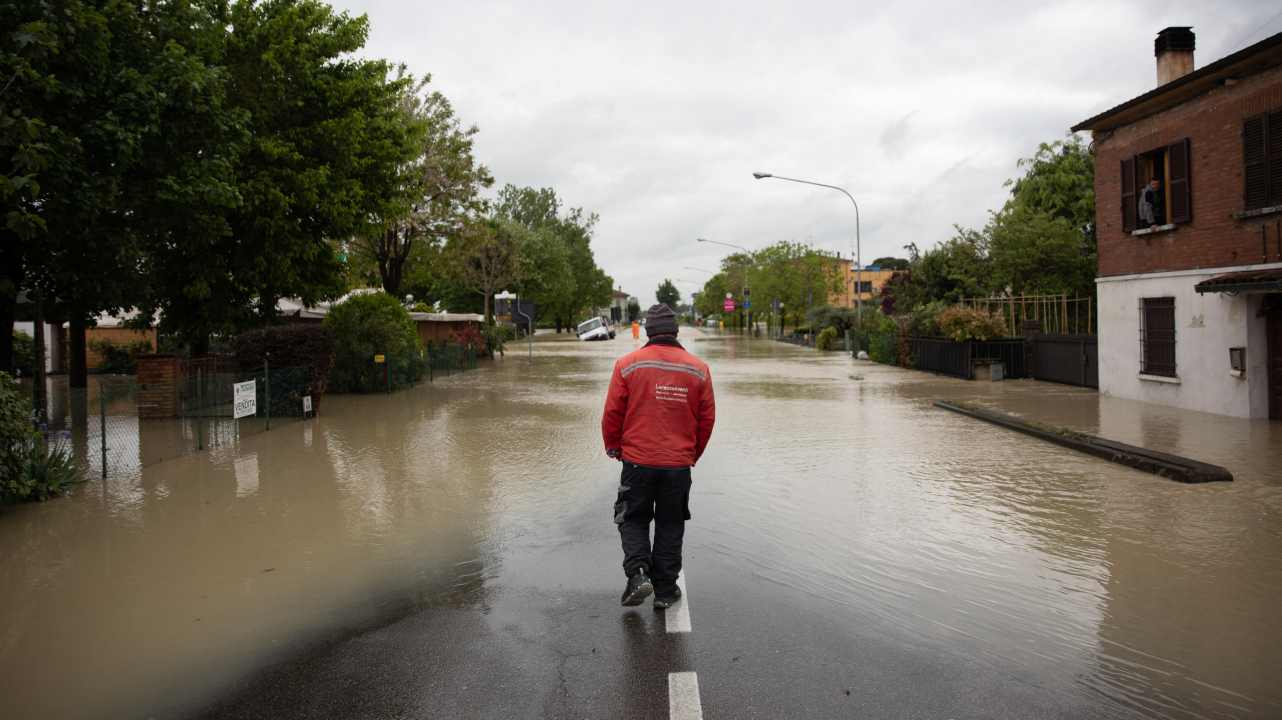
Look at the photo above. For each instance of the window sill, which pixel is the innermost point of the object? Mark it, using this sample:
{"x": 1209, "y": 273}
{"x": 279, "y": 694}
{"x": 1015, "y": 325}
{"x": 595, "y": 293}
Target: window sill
{"x": 1160, "y": 379}
{"x": 1153, "y": 230}
{"x": 1258, "y": 212}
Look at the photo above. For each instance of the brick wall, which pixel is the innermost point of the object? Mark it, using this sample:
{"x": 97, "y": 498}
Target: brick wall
{"x": 1213, "y": 124}
{"x": 159, "y": 378}
{"x": 115, "y": 335}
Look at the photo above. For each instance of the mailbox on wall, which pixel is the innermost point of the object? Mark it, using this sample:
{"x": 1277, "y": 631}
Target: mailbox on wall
{"x": 1237, "y": 360}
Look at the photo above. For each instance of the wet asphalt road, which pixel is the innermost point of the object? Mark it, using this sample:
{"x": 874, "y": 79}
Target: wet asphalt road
{"x": 541, "y": 634}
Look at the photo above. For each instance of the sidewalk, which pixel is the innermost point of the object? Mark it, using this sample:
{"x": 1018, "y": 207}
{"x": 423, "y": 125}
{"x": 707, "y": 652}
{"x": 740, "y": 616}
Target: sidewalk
{"x": 1250, "y": 449}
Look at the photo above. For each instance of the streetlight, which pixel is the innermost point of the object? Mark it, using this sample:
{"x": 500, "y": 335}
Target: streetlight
{"x": 744, "y": 287}
{"x": 859, "y": 296}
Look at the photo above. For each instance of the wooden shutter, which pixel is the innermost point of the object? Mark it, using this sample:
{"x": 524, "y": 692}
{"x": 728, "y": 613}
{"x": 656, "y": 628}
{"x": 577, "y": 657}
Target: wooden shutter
{"x": 1255, "y": 167}
{"x": 1180, "y": 161}
{"x": 1128, "y": 194}
{"x": 1273, "y": 134}
{"x": 1159, "y": 336}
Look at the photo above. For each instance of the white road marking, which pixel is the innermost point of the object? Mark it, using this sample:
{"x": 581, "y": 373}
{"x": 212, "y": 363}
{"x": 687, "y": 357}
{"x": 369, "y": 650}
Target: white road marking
{"x": 677, "y": 617}
{"x": 683, "y": 696}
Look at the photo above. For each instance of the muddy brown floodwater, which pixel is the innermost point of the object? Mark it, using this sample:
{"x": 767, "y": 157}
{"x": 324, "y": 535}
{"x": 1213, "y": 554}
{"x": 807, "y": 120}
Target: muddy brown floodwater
{"x": 154, "y": 594}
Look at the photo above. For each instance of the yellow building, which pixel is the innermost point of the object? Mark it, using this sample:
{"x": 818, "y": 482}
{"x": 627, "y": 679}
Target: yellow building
{"x": 871, "y": 278}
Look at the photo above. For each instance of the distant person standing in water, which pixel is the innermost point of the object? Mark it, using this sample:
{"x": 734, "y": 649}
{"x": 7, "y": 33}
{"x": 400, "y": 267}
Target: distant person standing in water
{"x": 659, "y": 413}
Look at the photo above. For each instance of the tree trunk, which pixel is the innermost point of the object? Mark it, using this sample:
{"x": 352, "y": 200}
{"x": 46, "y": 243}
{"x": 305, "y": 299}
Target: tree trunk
{"x": 489, "y": 319}
{"x": 8, "y": 309}
{"x": 79, "y": 360}
{"x": 40, "y": 385}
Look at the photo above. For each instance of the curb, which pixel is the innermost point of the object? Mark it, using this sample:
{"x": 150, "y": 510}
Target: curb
{"x": 1173, "y": 467}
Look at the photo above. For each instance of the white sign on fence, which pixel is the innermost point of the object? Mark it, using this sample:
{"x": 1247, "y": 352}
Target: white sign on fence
{"x": 307, "y": 404}
{"x": 245, "y": 399}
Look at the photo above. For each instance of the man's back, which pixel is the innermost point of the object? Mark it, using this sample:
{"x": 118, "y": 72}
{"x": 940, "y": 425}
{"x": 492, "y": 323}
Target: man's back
{"x": 660, "y": 408}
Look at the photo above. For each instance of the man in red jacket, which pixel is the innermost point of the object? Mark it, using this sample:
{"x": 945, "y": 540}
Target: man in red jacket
{"x": 658, "y": 418}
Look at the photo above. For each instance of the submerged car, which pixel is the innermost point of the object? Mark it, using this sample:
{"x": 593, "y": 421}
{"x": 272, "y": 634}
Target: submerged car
{"x": 597, "y": 328}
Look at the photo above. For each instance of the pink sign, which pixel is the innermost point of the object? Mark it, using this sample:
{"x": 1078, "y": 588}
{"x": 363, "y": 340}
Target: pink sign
{"x": 729, "y": 305}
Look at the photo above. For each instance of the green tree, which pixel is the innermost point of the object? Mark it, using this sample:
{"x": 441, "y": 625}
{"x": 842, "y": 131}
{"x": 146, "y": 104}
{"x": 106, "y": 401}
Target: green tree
{"x": 891, "y": 263}
{"x": 1031, "y": 252}
{"x": 484, "y": 258}
{"x": 366, "y": 325}
{"x": 634, "y": 310}
{"x": 327, "y": 144}
{"x": 668, "y": 294}
{"x": 1059, "y": 180}
{"x": 84, "y": 89}
{"x": 539, "y": 211}
{"x": 438, "y": 189}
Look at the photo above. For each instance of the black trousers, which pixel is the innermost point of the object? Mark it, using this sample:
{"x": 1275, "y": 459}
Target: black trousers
{"x": 661, "y": 495}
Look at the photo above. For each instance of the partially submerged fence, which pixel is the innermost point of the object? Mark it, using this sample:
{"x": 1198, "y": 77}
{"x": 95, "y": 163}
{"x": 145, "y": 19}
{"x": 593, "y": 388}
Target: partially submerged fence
{"x": 1071, "y": 359}
{"x": 959, "y": 359}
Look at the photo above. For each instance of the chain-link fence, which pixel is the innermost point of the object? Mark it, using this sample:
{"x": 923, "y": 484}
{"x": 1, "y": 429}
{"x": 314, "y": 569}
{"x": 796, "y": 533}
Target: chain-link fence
{"x": 102, "y": 427}
{"x": 389, "y": 371}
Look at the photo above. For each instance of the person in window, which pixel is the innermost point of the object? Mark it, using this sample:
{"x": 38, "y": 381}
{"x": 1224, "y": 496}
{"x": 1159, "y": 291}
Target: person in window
{"x": 1150, "y": 204}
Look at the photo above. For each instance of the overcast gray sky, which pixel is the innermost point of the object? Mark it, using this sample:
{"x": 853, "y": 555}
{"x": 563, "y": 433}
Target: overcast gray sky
{"x": 654, "y": 115}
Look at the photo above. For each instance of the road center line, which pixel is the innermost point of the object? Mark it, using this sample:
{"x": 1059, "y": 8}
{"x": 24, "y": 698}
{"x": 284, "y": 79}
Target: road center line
{"x": 677, "y": 618}
{"x": 683, "y": 696}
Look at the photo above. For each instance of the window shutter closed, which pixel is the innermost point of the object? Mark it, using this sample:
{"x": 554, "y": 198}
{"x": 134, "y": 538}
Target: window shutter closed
{"x": 1273, "y": 134}
{"x": 1255, "y": 166}
{"x": 1181, "y": 193}
{"x": 1128, "y": 194}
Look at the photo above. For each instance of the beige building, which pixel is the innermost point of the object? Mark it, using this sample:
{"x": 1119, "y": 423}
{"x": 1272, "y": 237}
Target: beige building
{"x": 871, "y": 279}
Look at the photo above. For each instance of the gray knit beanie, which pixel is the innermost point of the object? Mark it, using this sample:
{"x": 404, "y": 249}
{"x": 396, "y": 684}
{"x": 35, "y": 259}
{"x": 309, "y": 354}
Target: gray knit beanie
{"x": 660, "y": 320}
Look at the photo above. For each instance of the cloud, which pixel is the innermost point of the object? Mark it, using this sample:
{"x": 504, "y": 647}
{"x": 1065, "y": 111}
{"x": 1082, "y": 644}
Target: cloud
{"x": 655, "y": 115}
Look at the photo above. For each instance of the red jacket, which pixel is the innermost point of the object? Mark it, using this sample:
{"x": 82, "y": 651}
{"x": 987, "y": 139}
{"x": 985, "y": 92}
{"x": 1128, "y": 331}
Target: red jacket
{"x": 660, "y": 410}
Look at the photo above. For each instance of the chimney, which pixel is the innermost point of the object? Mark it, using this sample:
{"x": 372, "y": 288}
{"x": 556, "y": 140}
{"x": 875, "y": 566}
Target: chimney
{"x": 1174, "y": 50}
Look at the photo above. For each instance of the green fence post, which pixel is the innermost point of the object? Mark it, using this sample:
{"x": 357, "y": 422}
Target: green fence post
{"x": 200, "y": 408}
{"x": 102, "y": 426}
{"x": 387, "y": 374}
{"x": 267, "y": 391}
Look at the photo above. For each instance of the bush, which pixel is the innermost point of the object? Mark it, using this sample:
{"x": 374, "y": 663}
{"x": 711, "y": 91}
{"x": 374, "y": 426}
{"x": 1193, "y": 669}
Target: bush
{"x": 24, "y": 353}
{"x": 839, "y": 318}
{"x": 16, "y": 433}
{"x": 964, "y": 323}
{"x": 306, "y": 346}
{"x": 883, "y": 340}
{"x": 48, "y": 470}
{"x": 121, "y": 358}
{"x": 369, "y": 325}
{"x": 496, "y": 337}
{"x": 923, "y": 322}
{"x": 827, "y": 338}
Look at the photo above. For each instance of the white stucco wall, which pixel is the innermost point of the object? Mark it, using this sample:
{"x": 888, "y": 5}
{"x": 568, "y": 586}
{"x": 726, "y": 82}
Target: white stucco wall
{"x": 1206, "y": 326}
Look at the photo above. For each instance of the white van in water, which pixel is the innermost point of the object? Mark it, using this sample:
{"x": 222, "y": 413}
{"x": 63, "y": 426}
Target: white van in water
{"x": 598, "y": 328}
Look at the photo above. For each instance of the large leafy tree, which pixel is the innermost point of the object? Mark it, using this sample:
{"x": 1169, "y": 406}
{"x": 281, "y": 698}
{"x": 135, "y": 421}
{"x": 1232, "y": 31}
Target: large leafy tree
{"x": 105, "y": 96}
{"x": 571, "y": 284}
{"x": 438, "y": 190}
{"x": 327, "y": 144}
{"x": 484, "y": 257}
{"x": 668, "y": 294}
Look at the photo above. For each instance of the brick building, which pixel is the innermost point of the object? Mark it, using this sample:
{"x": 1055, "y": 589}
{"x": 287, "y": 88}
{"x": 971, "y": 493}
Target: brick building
{"x": 1188, "y": 193}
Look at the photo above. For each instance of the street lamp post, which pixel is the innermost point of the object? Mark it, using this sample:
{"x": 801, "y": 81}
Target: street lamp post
{"x": 744, "y": 286}
{"x": 859, "y": 298}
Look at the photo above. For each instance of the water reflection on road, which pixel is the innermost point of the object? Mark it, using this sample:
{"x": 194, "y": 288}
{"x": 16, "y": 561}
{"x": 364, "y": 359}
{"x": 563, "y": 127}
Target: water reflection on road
{"x": 834, "y": 480}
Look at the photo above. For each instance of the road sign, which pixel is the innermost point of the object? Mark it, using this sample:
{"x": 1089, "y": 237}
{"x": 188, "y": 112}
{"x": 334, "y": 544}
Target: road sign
{"x": 380, "y": 359}
{"x": 729, "y": 305}
{"x": 244, "y": 399}
{"x": 747, "y": 303}
{"x": 307, "y": 404}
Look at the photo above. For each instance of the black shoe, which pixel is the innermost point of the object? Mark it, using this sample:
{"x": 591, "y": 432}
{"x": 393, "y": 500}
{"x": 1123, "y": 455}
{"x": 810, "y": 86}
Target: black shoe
{"x": 638, "y": 589}
{"x": 667, "y": 598}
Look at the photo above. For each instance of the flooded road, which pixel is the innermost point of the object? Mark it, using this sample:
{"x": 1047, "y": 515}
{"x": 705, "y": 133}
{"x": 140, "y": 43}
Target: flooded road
{"x": 447, "y": 551}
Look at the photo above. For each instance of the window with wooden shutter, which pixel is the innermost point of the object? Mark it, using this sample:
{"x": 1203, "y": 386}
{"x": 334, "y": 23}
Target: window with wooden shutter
{"x": 1273, "y": 132}
{"x": 1255, "y": 161}
{"x": 1179, "y": 183}
{"x": 1157, "y": 336}
{"x": 1128, "y": 194}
